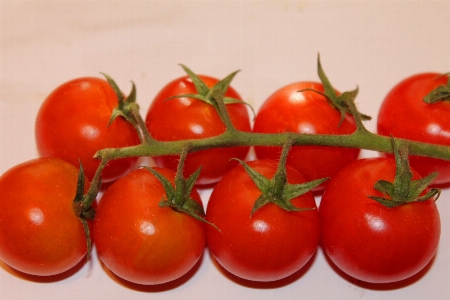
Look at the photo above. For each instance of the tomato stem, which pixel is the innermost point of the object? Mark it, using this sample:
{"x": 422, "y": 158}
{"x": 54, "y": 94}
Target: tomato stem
{"x": 277, "y": 190}
{"x": 361, "y": 139}
{"x": 404, "y": 189}
{"x": 83, "y": 208}
{"x": 232, "y": 137}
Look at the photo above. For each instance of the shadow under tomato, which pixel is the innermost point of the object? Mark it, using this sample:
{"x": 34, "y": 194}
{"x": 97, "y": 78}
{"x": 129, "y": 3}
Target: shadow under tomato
{"x": 203, "y": 187}
{"x": 269, "y": 284}
{"x": 157, "y": 288}
{"x": 381, "y": 286}
{"x": 46, "y": 279}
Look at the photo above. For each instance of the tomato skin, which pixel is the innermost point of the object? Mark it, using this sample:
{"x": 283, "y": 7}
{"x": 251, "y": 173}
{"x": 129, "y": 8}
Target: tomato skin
{"x": 369, "y": 241}
{"x": 39, "y": 231}
{"x": 270, "y": 245}
{"x": 140, "y": 241}
{"x": 72, "y": 124}
{"x": 187, "y": 118}
{"x": 287, "y": 110}
{"x": 404, "y": 114}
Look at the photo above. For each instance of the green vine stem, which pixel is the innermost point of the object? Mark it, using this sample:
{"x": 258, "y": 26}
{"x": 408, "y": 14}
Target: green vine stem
{"x": 361, "y": 138}
{"x": 232, "y": 137}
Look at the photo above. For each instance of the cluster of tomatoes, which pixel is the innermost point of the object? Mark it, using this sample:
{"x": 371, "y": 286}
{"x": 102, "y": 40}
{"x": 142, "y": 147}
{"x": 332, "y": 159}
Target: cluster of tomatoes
{"x": 144, "y": 243}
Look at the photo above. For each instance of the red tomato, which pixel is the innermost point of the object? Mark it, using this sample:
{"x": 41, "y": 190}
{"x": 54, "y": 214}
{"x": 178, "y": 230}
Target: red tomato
{"x": 404, "y": 114}
{"x": 72, "y": 124}
{"x": 187, "y": 118}
{"x": 270, "y": 245}
{"x": 39, "y": 231}
{"x": 140, "y": 241}
{"x": 367, "y": 240}
{"x": 288, "y": 110}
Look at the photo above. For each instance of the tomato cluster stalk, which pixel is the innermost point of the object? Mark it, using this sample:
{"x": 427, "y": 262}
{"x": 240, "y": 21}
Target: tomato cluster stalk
{"x": 128, "y": 108}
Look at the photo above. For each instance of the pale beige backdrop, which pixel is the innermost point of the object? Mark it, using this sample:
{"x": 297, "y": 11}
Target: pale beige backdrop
{"x": 372, "y": 44}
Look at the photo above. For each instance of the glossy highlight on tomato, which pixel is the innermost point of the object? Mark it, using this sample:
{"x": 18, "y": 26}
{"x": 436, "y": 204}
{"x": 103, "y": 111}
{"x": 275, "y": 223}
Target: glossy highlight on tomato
{"x": 404, "y": 114}
{"x": 188, "y": 118}
{"x": 40, "y": 233}
{"x": 138, "y": 240}
{"x": 307, "y": 112}
{"x": 72, "y": 124}
{"x": 272, "y": 243}
{"x": 369, "y": 241}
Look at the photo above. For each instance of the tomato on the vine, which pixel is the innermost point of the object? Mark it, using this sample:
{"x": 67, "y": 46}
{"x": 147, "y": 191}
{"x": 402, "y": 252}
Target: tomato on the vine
{"x": 404, "y": 114}
{"x": 140, "y": 241}
{"x": 189, "y": 118}
{"x": 40, "y": 233}
{"x": 307, "y": 112}
{"x": 368, "y": 240}
{"x": 269, "y": 245}
{"x": 72, "y": 124}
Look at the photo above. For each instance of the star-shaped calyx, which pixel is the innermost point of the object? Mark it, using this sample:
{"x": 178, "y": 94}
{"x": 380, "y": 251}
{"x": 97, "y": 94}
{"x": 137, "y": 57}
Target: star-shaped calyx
{"x": 205, "y": 93}
{"x": 404, "y": 189}
{"x": 178, "y": 196}
{"x": 441, "y": 93}
{"x": 277, "y": 190}
{"x": 82, "y": 206}
{"x": 342, "y": 102}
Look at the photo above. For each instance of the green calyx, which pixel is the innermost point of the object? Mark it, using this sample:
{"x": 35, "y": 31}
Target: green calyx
{"x": 178, "y": 196}
{"x": 83, "y": 209}
{"x": 441, "y": 93}
{"x": 205, "y": 94}
{"x": 128, "y": 109}
{"x": 277, "y": 190}
{"x": 123, "y": 108}
{"x": 404, "y": 189}
{"x": 342, "y": 102}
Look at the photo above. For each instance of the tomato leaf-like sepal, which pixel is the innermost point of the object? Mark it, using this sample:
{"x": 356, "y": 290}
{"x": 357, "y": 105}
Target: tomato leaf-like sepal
{"x": 294, "y": 190}
{"x": 82, "y": 211}
{"x": 80, "y": 208}
{"x": 269, "y": 189}
{"x": 80, "y": 185}
{"x": 204, "y": 93}
{"x": 167, "y": 185}
{"x": 123, "y": 108}
{"x": 200, "y": 86}
{"x": 340, "y": 102}
{"x": 258, "y": 179}
{"x": 441, "y": 93}
{"x": 404, "y": 189}
{"x": 277, "y": 190}
{"x": 178, "y": 197}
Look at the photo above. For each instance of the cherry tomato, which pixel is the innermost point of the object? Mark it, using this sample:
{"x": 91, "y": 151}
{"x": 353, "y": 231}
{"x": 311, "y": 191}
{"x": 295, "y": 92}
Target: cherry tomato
{"x": 404, "y": 114}
{"x": 367, "y": 240}
{"x": 40, "y": 233}
{"x": 138, "y": 240}
{"x": 308, "y": 112}
{"x": 188, "y": 118}
{"x": 272, "y": 243}
{"x": 72, "y": 124}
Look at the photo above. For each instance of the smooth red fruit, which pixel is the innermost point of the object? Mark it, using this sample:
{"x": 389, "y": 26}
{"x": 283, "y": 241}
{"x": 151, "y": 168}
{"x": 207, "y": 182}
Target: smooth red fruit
{"x": 307, "y": 112}
{"x": 272, "y": 243}
{"x": 40, "y": 233}
{"x": 369, "y": 241}
{"x": 72, "y": 124}
{"x": 188, "y": 118}
{"x": 404, "y": 114}
{"x": 140, "y": 241}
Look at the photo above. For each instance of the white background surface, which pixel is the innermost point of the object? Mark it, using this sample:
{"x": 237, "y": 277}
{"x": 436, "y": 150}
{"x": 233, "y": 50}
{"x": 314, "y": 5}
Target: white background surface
{"x": 373, "y": 44}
